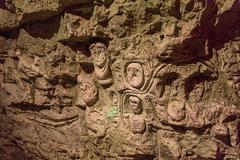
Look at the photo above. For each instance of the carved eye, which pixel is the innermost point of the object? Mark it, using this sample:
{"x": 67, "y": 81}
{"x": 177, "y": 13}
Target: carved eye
{"x": 131, "y": 101}
{"x": 129, "y": 69}
{"x": 137, "y": 71}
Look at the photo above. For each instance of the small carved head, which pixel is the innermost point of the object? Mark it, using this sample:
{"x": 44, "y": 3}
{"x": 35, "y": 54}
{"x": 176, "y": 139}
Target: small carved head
{"x": 176, "y": 111}
{"x": 87, "y": 90}
{"x": 98, "y": 51}
{"x": 135, "y": 75}
{"x": 135, "y": 104}
{"x": 220, "y": 130}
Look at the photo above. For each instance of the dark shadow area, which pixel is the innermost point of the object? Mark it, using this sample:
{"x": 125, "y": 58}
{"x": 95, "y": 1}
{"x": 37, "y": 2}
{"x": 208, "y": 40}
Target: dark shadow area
{"x": 179, "y": 129}
{"x": 189, "y": 51}
{"x": 87, "y": 67}
{"x": 83, "y": 47}
{"x": 67, "y": 80}
{"x": 32, "y": 107}
{"x": 2, "y": 4}
{"x": 144, "y": 157}
{"x": 195, "y": 79}
{"x": 168, "y": 78}
{"x": 104, "y": 40}
{"x": 219, "y": 155}
{"x": 208, "y": 18}
{"x": 77, "y": 47}
{"x": 11, "y": 33}
{"x": 200, "y": 131}
{"x": 228, "y": 21}
{"x": 43, "y": 29}
{"x": 83, "y": 10}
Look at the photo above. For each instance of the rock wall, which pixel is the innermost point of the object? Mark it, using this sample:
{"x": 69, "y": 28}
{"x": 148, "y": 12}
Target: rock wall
{"x": 119, "y": 80}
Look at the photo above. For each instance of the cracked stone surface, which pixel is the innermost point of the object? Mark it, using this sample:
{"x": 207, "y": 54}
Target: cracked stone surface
{"x": 119, "y": 80}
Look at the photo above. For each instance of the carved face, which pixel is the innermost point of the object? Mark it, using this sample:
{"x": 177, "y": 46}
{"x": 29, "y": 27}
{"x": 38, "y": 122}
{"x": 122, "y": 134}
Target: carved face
{"x": 98, "y": 51}
{"x": 135, "y": 75}
{"x": 88, "y": 92}
{"x": 176, "y": 111}
{"x": 220, "y": 130}
{"x": 135, "y": 104}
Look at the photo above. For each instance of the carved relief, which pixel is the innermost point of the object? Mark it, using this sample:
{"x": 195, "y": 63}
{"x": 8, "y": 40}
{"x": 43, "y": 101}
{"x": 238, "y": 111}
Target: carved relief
{"x": 163, "y": 86}
{"x": 176, "y": 111}
{"x": 135, "y": 75}
{"x": 87, "y": 93}
{"x": 95, "y": 123}
{"x": 137, "y": 122}
{"x": 101, "y": 63}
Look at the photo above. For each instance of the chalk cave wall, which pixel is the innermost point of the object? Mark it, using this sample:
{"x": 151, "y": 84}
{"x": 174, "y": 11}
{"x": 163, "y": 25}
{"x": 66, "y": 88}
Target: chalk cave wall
{"x": 119, "y": 80}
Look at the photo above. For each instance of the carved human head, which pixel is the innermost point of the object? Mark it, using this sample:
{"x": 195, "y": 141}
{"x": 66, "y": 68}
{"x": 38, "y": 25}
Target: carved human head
{"x": 135, "y": 75}
{"x": 88, "y": 90}
{"x": 220, "y": 130}
{"x": 176, "y": 111}
{"x": 135, "y": 104}
{"x": 98, "y": 51}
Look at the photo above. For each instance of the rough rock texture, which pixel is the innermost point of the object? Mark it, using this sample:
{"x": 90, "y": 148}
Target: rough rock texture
{"x": 119, "y": 80}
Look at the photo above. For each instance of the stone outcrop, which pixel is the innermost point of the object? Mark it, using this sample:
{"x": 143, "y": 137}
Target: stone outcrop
{"x": 123, "y": 79}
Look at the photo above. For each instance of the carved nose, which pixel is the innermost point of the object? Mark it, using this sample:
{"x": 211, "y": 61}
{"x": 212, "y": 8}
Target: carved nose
{"x": 134, "y": 71}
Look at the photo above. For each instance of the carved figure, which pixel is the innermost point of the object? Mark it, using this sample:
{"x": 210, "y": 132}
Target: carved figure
{"x": 95, "y": 123}
{"x": 87, "y": 93}
{"x": 135, "y": 105}
{"x": 135, "y": 75}
{"x": 220, "y": 130}
{"x": 87, "y": 96}
{"x": 137, "y": 122}
{"x": 176, "y": 111}
{"x": 101, "y": 63}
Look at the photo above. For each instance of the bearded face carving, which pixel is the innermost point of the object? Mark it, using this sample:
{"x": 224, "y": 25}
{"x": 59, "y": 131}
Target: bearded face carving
{"x": 135, "y": 75}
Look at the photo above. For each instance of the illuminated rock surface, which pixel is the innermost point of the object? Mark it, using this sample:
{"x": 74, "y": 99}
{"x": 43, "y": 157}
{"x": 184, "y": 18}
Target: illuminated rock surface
{"x": 119, "y": 80}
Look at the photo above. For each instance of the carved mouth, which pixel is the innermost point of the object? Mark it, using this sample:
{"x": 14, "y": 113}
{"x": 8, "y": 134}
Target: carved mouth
{"x": 100, "y": 63}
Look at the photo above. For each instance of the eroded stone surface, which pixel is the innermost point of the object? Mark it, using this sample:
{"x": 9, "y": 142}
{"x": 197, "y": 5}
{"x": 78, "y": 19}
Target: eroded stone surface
{"x": 127, "y": 80}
